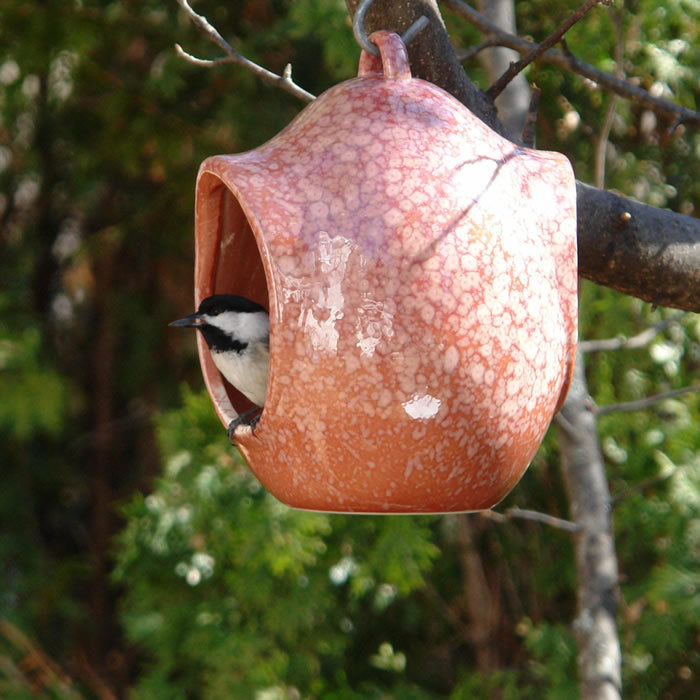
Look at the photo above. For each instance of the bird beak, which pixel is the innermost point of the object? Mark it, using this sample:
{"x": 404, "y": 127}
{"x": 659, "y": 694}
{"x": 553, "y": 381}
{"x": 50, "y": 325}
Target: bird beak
{"x": 191, "y": 321}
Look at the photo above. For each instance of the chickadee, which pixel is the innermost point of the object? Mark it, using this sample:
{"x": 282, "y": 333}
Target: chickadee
{"x": 237, "y": 332}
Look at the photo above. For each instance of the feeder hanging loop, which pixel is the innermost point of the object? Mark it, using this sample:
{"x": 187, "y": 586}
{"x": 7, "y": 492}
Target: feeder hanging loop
{"x": 358, "y": 28}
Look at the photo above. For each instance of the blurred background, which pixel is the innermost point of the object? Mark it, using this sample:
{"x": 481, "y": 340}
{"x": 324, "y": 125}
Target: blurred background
{"x": 138, "y": 556}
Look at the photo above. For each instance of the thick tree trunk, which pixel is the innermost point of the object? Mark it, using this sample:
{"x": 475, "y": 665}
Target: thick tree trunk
{"x": 482, "y": 605}
{"x": 596, "y": 563}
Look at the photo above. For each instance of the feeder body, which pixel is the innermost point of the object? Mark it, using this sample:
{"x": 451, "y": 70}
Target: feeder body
{"x": 420, "y": 273}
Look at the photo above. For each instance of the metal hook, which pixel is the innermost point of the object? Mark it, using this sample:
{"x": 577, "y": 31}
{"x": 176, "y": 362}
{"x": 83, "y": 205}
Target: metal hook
{"x": 358, "y": 28}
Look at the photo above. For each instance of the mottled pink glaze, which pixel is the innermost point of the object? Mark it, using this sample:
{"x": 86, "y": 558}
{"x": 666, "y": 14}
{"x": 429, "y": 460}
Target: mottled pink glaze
{"x": 420, "y": 273}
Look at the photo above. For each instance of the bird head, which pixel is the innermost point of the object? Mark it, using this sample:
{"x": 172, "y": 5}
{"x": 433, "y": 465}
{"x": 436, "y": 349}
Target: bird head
{"x": 228, "y": 322}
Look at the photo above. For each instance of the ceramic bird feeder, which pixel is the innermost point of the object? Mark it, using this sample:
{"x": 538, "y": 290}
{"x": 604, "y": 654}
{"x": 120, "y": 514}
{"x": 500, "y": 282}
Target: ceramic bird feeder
{"x": 420, "y": 273}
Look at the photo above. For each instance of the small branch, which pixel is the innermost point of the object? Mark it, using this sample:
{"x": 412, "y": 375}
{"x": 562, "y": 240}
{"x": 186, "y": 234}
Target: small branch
{"x": 202, "y": 23}
{"x": 203, "y": 62}
{"x": 564, "y": 425}
{"x": 464, "y": 55}
{"x": 643, "y": 485}
{"x": 497, "y": 88}
{"x": 633, "y": 342}
{"x": 36, "y": 671}
{"x": 536, "y": 516}
{"x": 601, "y": 147}
{"x": 565, "y": 59}
{"x": 530, "y": 127}
{"x": 283, "y": 81}
{"x": 642, "y": 404}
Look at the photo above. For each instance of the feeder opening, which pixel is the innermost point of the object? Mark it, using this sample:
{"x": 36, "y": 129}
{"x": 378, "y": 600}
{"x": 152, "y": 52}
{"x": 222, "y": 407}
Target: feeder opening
{"x": 228, "y": 261}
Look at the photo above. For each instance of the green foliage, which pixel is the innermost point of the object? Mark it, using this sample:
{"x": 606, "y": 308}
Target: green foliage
{"x": 550, "y": 673}
{"x": 230, "y": 591}
{"x": 329, "y": 23}
{"x": 35, "y": 396}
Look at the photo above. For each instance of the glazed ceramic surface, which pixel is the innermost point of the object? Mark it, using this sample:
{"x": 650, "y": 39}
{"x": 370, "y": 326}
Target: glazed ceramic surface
{"x": 420, "y": 273}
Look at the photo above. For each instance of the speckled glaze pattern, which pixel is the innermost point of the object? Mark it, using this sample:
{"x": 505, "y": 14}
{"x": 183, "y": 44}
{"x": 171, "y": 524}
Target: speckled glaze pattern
{"x": 420, "y": 273}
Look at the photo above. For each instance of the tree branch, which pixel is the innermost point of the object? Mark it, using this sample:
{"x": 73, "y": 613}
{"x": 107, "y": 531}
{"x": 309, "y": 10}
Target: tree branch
{"x": 536, "y": 516}
{"x": 633, "y": 342}
{"x": 532, "y": 55}
{"x": 283, "y": 81}
{"x": 643, "y": 485}
{"x": 467, "y": 54}
{"x": 567, "y": 61}
{"x": 650, "y": 253}
{"x": 596, "y": 563}
{"x": 643, "y": 404}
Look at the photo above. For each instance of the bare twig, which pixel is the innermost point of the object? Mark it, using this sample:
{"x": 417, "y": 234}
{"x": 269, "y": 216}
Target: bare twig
{"x": 602, "y": 143}
{"x": 566, "y": 60}
{"x": 36, "y": 671}
{"x": 642, "y": 404}
{"x": 530, "y": 127}
{"x": 283, "y": 81}
{"x": 515, "y": 68}
{"x": 643, "y": 485}
{"x": 467, "y": 54}
{"x": 202, "y": 23}
{"x": 536, "y": 516}
{"x": 563, "y": 424}
{"x": 633, "y": 342}
{"x": 601, "y": 147}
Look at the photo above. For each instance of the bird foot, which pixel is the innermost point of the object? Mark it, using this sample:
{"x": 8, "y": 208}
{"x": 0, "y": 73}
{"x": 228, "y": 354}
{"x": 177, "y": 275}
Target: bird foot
{"x": 246, "y": 418}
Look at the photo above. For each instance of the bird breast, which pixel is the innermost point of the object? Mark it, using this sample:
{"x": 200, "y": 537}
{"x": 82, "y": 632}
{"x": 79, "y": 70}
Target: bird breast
{"x": 247, "y": 370}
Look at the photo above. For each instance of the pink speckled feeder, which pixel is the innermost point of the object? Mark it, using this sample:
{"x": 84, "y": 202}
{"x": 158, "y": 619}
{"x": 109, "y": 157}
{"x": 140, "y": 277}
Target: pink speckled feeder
{"x": 420, "y": 273}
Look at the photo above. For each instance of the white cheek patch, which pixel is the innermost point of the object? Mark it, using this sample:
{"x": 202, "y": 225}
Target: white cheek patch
{"x": 245, "y": 327}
